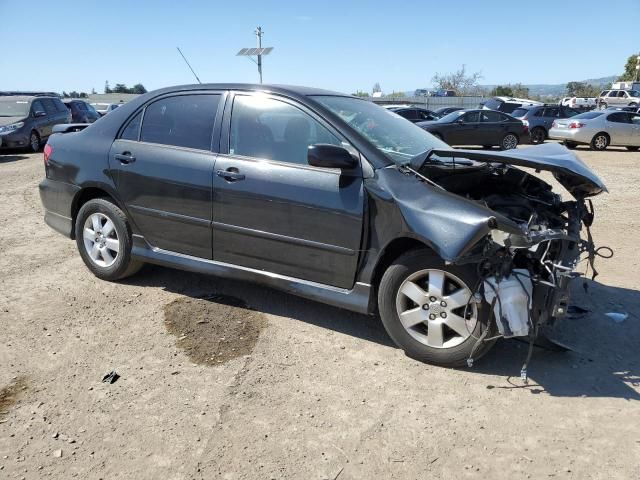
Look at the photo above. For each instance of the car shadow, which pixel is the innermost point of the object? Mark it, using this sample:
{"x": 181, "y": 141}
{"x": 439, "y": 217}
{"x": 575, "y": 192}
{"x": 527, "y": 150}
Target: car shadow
{"x": 12, "y": 156}
{"x": 603, "y": 359}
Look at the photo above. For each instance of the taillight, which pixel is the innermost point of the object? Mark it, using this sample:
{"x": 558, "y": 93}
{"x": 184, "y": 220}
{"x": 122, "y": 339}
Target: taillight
{"x": 48, "y": 150}
{"x": 554, "y": 125}
{"x": 576, "y": 125}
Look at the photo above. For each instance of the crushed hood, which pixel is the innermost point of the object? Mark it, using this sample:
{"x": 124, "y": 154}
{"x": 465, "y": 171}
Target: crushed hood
{"x": 567, "y": 168}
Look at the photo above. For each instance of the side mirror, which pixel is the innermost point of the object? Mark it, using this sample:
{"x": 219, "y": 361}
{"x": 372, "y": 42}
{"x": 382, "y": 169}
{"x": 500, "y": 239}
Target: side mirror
{"x": 460, "y": 121}
{"x": 40, "y": 113}
{"x": 330, "y": 156}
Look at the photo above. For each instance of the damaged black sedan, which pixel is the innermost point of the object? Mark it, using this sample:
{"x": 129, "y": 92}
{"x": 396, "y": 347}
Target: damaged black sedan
{"x": 329, "y": 197}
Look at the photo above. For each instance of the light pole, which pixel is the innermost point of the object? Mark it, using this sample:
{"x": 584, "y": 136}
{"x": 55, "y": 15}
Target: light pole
{"x": 637, "y": 66}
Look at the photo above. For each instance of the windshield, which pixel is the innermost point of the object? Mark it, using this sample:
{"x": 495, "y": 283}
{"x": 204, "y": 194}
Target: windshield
{"x": 398, "y": 139}
{"x": 14, "y": 108}
{"x": 493, "y": 103}
{"x": 588, "y": 115}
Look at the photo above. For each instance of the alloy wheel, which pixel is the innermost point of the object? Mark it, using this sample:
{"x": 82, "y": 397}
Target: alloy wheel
{"x": 34, "y": 141}
{"x": 101, "y": 240}
{"x": 537, "y": 136}
{"x": 435, "y": 308}
{"x": 600, "y": 142}
{"x": 509, "y": 142}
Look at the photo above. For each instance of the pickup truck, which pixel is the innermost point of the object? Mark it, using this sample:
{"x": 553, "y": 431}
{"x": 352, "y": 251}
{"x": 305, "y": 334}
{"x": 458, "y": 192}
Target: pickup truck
{"x": 579, "y": 103}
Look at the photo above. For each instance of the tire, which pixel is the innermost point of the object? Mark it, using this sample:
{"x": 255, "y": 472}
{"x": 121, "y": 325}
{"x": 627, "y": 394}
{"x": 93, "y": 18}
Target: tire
{"x": 570, "y": 145}
{"x": 110, "y": 257}
{"x": 34, "y": 142}
{"x": 633, "y": 149}
{"x": 432, "y": 340}
{"x": 633, "y": 104}
{"x": 509, "y": 142}
{"x": 538, "y": 135}
{"x": 603, "y": 106}
{"x": 487, "y": 147}
{"x": 600, "y": 142}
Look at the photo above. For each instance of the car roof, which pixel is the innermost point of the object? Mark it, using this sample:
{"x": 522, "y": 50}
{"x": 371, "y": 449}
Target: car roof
{"x": 22, "y": 98}
{"x": 294, "y": 90}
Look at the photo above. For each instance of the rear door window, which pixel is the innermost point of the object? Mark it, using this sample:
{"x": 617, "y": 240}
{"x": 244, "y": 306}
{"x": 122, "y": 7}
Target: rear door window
{"x": 494, "y": 117}
{"x": 60, "y": 106}
{"x": 471, "y": 117}
{"x": 181, "y": 121}
{"x": 49, "y": 106}
{"x": 132, "y": 130}
{"x": 409, "y": 114}
{"x": 552, "y": 112}
{"x": 619, "y": 117}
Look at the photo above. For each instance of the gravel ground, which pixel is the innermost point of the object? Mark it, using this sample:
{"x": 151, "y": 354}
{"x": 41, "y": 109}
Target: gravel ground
{"x": 322, "y": 395}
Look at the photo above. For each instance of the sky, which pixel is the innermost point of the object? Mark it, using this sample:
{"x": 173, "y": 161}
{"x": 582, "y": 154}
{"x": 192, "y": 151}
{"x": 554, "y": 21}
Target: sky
{"x": 339, "y": 45}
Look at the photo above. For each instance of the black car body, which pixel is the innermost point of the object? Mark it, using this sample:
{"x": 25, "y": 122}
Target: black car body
{"x": 81, "y": 111}
{"x": 441, "y": 112}
{"x": 415, "y": 114}
{"x": 477, "y": 127}
{"x": 27, "y": 121}
{"x": 322, "y": 195}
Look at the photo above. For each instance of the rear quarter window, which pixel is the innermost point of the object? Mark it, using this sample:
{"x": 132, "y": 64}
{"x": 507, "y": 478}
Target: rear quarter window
{"x": 519, "y": 112}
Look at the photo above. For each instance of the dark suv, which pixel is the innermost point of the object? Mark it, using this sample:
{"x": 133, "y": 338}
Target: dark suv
{"x": 27, "y": 121}
{"x": 330, "y": 197}
{"x": 81, "y": 111}
{"x": 538, "y": 119}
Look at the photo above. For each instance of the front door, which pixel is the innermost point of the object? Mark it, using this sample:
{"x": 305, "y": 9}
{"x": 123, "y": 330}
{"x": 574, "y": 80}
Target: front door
{"x": 466, "y": 130}
{"x": 274, "y": 212}
{"x": 620, "y": 128}
{"x": 162, "y": 164}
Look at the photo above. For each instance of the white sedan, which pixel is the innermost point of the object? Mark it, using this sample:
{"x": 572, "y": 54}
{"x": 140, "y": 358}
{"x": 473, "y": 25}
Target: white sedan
{"x": 599, "y": 129}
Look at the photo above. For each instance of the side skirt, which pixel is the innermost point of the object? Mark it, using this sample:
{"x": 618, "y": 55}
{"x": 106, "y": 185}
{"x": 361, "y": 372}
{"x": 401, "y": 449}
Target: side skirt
{"x": 356, "y": 299}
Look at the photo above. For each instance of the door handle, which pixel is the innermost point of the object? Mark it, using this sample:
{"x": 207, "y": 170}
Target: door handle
{"x": 125, "y": 157}
{"x": 230, "y": 174}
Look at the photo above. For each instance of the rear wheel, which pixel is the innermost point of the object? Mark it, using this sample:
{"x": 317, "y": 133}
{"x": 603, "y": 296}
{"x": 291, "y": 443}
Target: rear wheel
{"x": 570, "y": 145}
{"x": 509, "y": 142}
{"x": 633, "y": 149}
{"x": 427, "y": 309}
{"x": 103, "y": 236}
{"x": 34, "y": 141}
{"x": 600, "y": 141}
{"x": 538, "y": 135}
{"x": 603, "y": 106}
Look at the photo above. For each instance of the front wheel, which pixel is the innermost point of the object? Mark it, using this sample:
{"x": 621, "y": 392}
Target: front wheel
{"x": 633, "y": 149}
{"x": 509, "y": 142}
{"x": 103, "y": 236}
{"x": 428, "y": 309}
{"x": 34, "y": 142}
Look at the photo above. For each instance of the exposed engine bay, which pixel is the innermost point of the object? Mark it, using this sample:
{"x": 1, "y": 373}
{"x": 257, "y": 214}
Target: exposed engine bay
{"x": 524, "y": 276}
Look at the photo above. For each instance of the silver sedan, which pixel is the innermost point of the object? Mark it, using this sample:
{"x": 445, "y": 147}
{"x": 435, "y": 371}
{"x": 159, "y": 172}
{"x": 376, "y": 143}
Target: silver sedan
{"x": 599, "y": 129}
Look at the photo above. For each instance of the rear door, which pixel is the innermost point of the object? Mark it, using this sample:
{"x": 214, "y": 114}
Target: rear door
{"x": 162, "y": 164}
{"x": 549, "y": 115}
{"x": 635, "y": 135}
{"x": 52, "y": 114}
{"x": 40, "y": 119}
{"x": 494, "y": 127}
{"x": 272, "y": 211}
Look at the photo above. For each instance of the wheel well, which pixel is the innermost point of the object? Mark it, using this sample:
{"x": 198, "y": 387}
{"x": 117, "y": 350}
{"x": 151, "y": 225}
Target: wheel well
{"x": 392, "y": 251}
{"x": 83, "y": 197}
{"x": 602, "y": 133}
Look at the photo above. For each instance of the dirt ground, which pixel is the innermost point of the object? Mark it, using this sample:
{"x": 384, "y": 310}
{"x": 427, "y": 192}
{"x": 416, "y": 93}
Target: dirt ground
{"x": 322, "y": 395}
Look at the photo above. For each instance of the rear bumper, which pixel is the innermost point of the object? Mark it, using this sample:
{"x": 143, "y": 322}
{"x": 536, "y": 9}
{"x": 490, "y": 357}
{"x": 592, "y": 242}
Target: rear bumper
{"x": 57, "y": 199}
{"x": 573, "y": 135}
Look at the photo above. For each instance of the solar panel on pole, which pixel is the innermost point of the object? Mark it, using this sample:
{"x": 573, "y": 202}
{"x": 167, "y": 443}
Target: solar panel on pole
{"x": 257, "y": 52}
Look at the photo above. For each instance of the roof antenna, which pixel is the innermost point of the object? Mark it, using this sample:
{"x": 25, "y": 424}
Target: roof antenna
{"x": 188, "y": 65}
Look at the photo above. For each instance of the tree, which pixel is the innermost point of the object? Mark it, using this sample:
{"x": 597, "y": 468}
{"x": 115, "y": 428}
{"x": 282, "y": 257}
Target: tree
{"x": 376, "y": 88}
{"x": 74, "y": 94}
{"x": 395, "y": 94}
{"x": 520, "y": 90}
{"x": 138, "y": 88}
{"x": 458, "y": 81}
{"x": 630, "y": 71}
{"x": 106, "y": 87}
{"x": 502, "y": 91}
{"x": 65, "y": 95}
{"x": 120, "y": 88}
{"x": 582, "y": 89}
{"x": 83, "y": 95}
{"x": 93, "y": 91}
{"x": 360, "y": 93}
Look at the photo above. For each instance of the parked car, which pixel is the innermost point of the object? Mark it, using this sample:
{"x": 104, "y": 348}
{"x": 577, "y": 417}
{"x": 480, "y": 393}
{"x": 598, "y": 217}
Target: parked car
{"x": 508, "y": 104}
{"x": 81, "y": 111}
{"x": 633, "y": 109}
{"x": 415, "y": 114}
{"x": 443, "y": 93}
{"x": 27, "y": 121}
{"x": 599, "y": 129}
{"x": 326, "y": 196}
{"x": 441, "y": 112}
{"x": 579, "y": 103}
{"x": 477, "y": 127}
{"x": 538, "y": 120}
{"x": 618, "y": 97}
{"x": 104, "y": 108}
